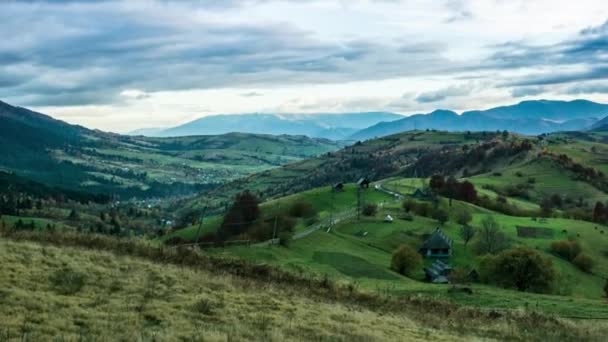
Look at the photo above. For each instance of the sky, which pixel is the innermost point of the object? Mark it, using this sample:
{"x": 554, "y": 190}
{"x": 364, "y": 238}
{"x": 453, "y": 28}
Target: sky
{"x": 123, "y": 65}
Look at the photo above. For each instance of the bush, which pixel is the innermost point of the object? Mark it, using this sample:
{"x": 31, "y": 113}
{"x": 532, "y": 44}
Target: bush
{"x": 67, "y": 281}
{"x": 520, "y": 268}
{"x": 567, "y": 249}
{"x": 405, "y": 260}
{"x": 463, "y": 217}
{"x": 285, "y": 238}
{"x": 370, "y": 209}
{"x": 302, "y": 209}
{"x": 583, "y": 262}
{"x": 441, "y": 216}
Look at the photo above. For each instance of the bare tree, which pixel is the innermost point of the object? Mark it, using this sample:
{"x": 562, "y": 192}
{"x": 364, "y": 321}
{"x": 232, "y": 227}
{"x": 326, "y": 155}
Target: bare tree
{"x": 491, "y": 239}
{"x": 467, "y": 233}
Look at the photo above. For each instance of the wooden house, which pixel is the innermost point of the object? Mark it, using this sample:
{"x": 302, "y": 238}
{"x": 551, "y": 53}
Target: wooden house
{"x": 438, "y": 272}
{"x": 363, "y": 183}
{"x": 438, "y": 245}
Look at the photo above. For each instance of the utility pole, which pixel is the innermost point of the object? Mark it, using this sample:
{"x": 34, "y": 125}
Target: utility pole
{"x": 331, "y": 209}
{"x": 200, "y": 225}
{"x": 358, "y": 202}
{"x": 276, "y": 220}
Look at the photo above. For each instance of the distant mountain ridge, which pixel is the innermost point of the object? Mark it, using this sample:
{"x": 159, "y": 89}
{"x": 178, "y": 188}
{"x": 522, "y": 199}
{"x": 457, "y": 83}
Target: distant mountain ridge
{"x": 527, "y": 117}
{"x": 329, "y": 126}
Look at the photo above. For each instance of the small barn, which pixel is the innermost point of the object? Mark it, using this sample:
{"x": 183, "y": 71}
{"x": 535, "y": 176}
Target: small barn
{"x": 422, "y": 194}
{"x": 438, "y": 272}
{"x": 338, "y": 187}
{"x": 363, "y": 183}
{"x": 438, "y": 245}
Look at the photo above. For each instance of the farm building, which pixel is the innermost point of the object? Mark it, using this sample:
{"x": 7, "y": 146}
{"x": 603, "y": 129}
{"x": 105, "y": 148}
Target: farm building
{"x": 438, "y": 245}
{"x": 422, "y": 194}
{"x": 438, "y": 272}
{"x": 363, "y": 182}
{"x": 338, "y": 187}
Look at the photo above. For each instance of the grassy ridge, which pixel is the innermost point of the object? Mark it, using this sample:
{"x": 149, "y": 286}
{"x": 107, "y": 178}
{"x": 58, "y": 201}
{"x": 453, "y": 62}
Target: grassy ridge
{"x": 122, "y": 297}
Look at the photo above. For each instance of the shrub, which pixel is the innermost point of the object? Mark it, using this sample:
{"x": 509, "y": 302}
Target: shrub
{"x": 285, "y": 238}
{"x": 405, "y": 260}
{"x": 463, "y": 217}
{"x": 67, "y": 281}
{"x": 520, "y": 268}
{"x": 370, "y": 209}
{"x": 302, "y": 209}
{"x": 459, "y": 276}
{"x": 567, "y": 249}
{"x": 441, "y": 216}
{"x": 583, "y": 262}
{"x": 206, "y": 306}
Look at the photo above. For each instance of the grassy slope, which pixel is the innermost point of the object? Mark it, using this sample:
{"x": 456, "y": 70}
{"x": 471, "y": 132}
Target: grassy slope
{"x": 346, "y": 254}
{"x": 126, "y": 298}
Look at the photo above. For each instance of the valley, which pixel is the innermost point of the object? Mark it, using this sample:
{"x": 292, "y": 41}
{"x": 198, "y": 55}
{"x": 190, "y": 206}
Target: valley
{"x": 305, "y": 223}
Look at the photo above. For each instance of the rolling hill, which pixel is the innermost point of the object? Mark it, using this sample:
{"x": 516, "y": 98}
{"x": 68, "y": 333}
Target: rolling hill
{"x": 528, "y": 117}
{"x": 56, "y": 153}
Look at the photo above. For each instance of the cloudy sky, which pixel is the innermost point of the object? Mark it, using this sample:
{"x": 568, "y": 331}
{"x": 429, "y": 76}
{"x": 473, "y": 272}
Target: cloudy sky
{"x": 122, "y": 65}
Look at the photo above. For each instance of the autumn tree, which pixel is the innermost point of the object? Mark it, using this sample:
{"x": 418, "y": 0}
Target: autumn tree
{"x": 521, "y": 268}
{"x": 405, "y": 260}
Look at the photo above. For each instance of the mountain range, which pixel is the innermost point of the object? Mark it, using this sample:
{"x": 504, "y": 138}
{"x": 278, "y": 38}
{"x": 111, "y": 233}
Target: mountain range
{"x": 329, "y": 126}
{"x": 527, "y": 117}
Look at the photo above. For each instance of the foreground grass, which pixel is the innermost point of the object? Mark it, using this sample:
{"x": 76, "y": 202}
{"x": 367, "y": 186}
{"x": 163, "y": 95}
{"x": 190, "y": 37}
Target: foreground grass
{"x": 123, "y": 297}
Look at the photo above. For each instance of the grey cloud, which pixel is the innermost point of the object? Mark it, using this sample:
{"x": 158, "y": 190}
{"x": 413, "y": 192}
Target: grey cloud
{"x": 589, "y": 49}
{"x": 527, "y": 91}
{"x": 442, "y": 94}
{"x": 107, "y": 47}
{"x": 589, "y": 88}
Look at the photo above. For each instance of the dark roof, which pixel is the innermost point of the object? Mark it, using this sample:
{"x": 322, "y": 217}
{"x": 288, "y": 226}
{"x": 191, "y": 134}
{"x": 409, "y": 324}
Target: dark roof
{"x": 437, "y": 272}
{"x": 362, "y": 181}
{"x": 438, "y": 240}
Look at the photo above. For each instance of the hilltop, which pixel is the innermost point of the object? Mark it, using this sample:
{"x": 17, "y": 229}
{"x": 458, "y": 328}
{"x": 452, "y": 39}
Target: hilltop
{"x": 46, "y": 150}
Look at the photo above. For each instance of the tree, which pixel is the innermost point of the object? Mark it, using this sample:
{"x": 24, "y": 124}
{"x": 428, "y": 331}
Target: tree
{"x": 491, "y": 239}
{"x": 463, "y": 217}
{"x": 567, "y": 249}
{"x": 606, "y": 289}
{"x": 546, "y": 206}
{"x": 408, "y": 205}
{"x": 467, "y": 192}
{"x": 370, "y": 209}
{"x": 242, "y": 215}
{"x": 441, "y": 216}
{"x": 599, "y": 212}
{"x": 583, "y": 262}
{"x": 467, "y": 233}
{"x": 436, "y": 183}
{"x": 405, "y": 260}
{"x": 520, "y": 268}
{"x": 73, "y": 215}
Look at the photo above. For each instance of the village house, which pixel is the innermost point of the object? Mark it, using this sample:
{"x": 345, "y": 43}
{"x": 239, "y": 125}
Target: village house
{"x": 363, "y": 183}
{"x": 438, "y": 245}
{"x": 338, "y": 187}
{"x": 438, "y": 272}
